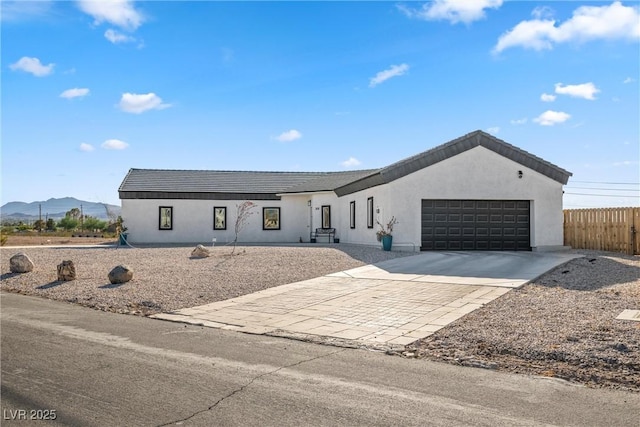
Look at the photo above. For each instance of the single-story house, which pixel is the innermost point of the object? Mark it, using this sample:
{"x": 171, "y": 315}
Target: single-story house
{"x": 476, "y": 192}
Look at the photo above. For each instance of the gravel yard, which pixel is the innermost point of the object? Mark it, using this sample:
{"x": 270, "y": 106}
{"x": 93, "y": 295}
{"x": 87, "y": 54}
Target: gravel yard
{"x": 167, "y": 278}
{"x": 562, "y": 325}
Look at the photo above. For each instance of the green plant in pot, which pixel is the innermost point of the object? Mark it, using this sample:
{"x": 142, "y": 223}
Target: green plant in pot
{"x": 385, "y": 233}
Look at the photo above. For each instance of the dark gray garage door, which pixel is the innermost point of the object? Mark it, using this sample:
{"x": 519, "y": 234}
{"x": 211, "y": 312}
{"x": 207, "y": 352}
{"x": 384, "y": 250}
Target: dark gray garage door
{"x": 485, "y": 225}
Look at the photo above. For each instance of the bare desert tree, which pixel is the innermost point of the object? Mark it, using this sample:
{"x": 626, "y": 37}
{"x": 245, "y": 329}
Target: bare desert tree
{"x": 112, "y": 215}
{"x": 244, "y": 211}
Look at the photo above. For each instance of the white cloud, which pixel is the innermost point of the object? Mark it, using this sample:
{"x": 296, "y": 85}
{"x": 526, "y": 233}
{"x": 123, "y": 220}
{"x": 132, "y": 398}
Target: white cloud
{"x": 628, "y": 80}
{"x": 610, "y": 22}
{"x": 351, "y": 162}
{"x": 542, "y": 12}
{"x": 24, "y": 10}
{"x": 116, "y": 37}
{"x": 114, "y": 144}
{"x": 33, "y": 66}
{"x": 288, "y": 136}
{"x": 139, "y": 103}
{"x": 546, "y": 97}
{"x": 585, "y": 90}
{"x": 120, "y": 13}
{"x": 519, "y": 121}
{"x": 493, "y": 130}
{"x": 86, "y": 147}
{"x": 454, "y": 11}
{"x": 550, "y": 118}
{"x": 626, "y": 163}
{"x": 74, "y": 93}
{"x": 394, "y": 71}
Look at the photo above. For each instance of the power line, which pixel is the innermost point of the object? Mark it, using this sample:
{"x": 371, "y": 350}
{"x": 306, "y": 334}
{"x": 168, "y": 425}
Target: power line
{"x": 607, "y": 189}
{"x": 610, "y": 183}
{"x": 603, "y": 195}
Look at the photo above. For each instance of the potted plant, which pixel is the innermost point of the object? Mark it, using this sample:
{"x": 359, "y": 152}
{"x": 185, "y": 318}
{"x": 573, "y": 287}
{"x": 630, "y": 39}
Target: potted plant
{"x": 385, "y": 233}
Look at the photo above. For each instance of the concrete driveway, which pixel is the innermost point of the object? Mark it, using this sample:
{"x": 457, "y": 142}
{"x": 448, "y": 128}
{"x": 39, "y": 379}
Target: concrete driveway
{"x": 391, "y": 303}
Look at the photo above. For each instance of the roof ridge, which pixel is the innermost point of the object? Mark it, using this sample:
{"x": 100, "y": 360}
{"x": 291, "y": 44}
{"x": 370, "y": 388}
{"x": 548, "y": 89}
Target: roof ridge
{"x": 251, "y": 171}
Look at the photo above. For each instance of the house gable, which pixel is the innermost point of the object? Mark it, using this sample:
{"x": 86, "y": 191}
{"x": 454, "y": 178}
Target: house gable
{"x": 453, "y": 148}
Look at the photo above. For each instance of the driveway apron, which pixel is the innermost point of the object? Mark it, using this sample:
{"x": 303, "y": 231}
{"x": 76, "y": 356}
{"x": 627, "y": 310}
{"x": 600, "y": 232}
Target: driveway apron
{"x": 393, "y": 303}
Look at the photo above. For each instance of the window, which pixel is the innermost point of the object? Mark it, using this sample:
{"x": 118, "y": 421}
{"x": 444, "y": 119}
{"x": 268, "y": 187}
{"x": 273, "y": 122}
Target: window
{"x": 220, "y": 218}
{"x": 271, "y": 218}
{"x": 352, "y": 214}
{"x": 326, "y": 217}
{"x": 370, "y": 212}
{"x": 166, "y": 218}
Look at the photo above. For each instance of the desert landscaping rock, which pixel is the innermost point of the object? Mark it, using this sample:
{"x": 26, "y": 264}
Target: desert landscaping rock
{"x": 66, "y": 271}
{"x": 200, "y": 252}
{"x": 562, "y": 325}
{"x": 120, "y": 274}
{"x": 20, "y": 263}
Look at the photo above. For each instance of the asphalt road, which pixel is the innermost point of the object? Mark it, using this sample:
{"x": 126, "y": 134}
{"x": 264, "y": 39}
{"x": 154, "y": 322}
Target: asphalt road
{"x": 94, "y": 368}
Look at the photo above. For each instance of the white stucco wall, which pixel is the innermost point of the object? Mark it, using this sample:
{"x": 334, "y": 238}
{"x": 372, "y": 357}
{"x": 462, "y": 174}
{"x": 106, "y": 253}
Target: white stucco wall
{"x": 478, "y": 174}
{"x": 193, "y": 221}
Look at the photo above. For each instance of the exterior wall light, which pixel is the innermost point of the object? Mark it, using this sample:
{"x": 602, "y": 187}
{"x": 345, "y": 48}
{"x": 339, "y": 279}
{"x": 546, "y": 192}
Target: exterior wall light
{"x": 520, "y": 174}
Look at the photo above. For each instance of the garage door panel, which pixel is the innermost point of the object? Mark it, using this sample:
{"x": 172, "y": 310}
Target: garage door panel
{"x": 495, "y": 218}
{"x": 468, "y": 231}
{"x": 454, "y": 232}
{"x": 475, "y": 225}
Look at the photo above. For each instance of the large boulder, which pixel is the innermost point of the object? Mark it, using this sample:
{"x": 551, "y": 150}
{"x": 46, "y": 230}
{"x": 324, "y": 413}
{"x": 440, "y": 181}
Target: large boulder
{"x": 20, "y": 263}
{"x": 200, "y": 252}
{"x": 66, "y": 271}
{"x": 120, "y": 274}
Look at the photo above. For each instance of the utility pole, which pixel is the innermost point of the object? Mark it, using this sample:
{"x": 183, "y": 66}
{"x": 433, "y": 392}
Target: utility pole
{"x": 39, "y": 218}
{"x": 81, "y": 220}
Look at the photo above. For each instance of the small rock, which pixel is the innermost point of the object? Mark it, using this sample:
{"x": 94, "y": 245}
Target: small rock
{"x": 475, "y": 363}
{"x": 20, "y": 263}
{"x": 120, "y": 274}
{"x": 621, "y": 347}
{"x": 66, "y": 271}
{"x": 200, "y": 252}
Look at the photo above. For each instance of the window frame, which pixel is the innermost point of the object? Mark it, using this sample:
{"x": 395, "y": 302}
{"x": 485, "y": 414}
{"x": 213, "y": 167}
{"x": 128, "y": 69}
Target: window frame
{"x": 165, "y": 213}
{"x": 352, "y": 214}
{"x": 275, "y": 210}
{"x": 370, "y": 212}
{"x": 220, "y": 211}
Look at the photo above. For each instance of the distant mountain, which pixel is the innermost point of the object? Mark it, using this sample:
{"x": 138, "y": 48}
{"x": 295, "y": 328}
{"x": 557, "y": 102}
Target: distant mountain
{"x": 55, "y": 208}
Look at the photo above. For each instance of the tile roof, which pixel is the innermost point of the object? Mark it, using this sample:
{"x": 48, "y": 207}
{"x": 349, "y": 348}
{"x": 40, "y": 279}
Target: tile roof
{"x": 237, "y": 182}
{"x": 459, "y": 145}
{"x": 164, "y": 183}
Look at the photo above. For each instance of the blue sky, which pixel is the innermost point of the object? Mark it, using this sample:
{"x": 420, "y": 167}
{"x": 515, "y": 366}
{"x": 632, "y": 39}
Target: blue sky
{"x": 91, "y": 89}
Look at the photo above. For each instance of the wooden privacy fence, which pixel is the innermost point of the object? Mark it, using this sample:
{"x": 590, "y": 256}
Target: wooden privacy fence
{"x": 605, "y": 229}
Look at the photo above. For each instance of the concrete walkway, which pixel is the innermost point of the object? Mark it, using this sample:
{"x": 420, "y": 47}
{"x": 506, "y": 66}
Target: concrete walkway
{"x": 394, "y": 302}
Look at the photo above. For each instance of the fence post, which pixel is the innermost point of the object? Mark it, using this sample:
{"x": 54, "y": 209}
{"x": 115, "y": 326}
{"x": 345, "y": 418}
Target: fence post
{"x": 605, "y": 229}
